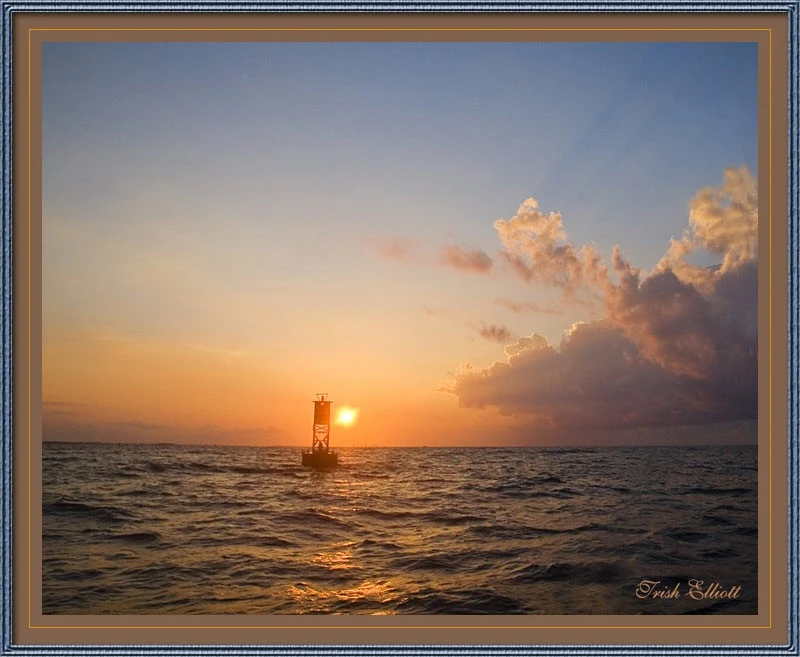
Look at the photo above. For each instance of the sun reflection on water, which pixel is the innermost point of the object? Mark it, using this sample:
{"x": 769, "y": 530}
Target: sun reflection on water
{"x": 371, "y": 591}
{"x": 333, "y": 560}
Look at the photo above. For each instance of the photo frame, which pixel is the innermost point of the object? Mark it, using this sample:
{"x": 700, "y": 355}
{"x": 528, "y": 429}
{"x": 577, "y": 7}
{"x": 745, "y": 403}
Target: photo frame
{"x": 773, "y": 631}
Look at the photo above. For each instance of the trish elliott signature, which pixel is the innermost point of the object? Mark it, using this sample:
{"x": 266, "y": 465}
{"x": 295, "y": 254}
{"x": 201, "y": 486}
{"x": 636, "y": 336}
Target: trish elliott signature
{"x": 696, "y": 589}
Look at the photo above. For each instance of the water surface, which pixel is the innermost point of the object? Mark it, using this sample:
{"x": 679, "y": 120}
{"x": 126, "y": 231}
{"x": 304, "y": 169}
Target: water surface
{"x": 169, "y": 529}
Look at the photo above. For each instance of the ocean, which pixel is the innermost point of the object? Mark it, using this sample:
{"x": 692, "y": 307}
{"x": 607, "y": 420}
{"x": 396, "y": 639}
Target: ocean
{"x": 182, "y": 529}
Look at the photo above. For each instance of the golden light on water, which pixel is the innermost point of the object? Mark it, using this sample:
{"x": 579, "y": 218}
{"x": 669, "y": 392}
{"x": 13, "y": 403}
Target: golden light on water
{"x": 334, "y": 560}
{"x": 346, "y": 416}
{"x": 315, "y": 600}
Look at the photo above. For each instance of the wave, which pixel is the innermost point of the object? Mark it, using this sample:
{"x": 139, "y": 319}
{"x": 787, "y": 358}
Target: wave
{"x": 529, "y": 490}
{"x": 511, "y": 532}
{"x": 435, "y": 562}
{"x": 470, "y": 601}
{"x": 200, "y": 467}
{"x": 576, "y": 572}
{"x": 138, "y": 537}
{"x": 685, "y": 535}
{"x": 707, "y": 490}
{"x": 112, "y": 514}
{"x": 310, "y": 517}
{"x": 616, "y": 489}
{"x": 445, "y": 517}
{"x": 714, "y": 520}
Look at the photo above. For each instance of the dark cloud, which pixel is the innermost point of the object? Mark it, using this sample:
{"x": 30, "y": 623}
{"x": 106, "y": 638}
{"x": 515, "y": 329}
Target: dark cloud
{"x": 677, "y": 347}
{"x": 472, "y": 260}
{"x": 488, "y": 331}
{"x": 702, "y": 335}
{"x": 494, "y": 333}
{"x": 599, "y": 379}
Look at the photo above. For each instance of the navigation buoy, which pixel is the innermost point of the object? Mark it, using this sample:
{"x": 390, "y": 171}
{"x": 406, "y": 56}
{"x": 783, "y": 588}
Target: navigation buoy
{"x": 320, "y": 456}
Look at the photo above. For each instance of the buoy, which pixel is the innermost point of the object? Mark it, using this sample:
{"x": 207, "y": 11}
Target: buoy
{"x": 320, "y": 455}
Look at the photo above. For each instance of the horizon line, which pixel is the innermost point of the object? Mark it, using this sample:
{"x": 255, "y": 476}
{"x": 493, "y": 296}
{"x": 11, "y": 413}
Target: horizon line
{"x": 303, "y": 446}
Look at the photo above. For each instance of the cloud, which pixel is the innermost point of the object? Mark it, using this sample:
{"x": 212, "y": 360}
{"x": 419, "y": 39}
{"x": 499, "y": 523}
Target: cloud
{"x": 495, "y": 333}
{"x": 537, "y": 250}
{"x": 723, "y": 222}
{"x": 677, "y": 347}
{"x": 57, "y": 429}
{"x": 528, "y": 342}
{"x": 684, "y": 329}
{"x": 598, "y": 379}
{"x": 525, "y": 307}
{"x": 139, "y": 426}
{"x": 488, "y": 331}
{"x": 395, "y": 248}
{"x": 443, "y": 312}
{"x": 472, "y": 260}
{"x": 53, "y": 409}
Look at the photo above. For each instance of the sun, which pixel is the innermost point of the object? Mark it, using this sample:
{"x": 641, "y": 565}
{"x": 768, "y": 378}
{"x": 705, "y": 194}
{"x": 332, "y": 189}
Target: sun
{"x": 346, "y": 416}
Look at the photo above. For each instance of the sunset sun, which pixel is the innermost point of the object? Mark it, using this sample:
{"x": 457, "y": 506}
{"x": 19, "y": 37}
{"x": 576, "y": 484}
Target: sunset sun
{"x": 347, "y": 416}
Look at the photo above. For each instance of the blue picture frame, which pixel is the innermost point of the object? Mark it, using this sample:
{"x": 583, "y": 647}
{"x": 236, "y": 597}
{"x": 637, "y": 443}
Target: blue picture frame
{"x": 14, "y": 8}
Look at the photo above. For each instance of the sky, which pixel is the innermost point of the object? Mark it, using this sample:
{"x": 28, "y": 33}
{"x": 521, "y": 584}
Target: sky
{"x": 470, "y": 243}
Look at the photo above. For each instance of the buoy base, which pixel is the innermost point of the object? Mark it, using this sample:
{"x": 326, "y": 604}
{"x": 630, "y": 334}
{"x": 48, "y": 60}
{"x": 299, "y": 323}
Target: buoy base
{"x": 318, "y": 459}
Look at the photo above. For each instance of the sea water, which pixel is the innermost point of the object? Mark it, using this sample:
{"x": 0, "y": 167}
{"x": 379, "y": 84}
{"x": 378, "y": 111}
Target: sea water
{"x": 178, "y": 529}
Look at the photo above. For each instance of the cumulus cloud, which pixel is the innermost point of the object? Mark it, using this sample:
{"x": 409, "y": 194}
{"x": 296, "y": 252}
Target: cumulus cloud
{"x": 722, "y": 221}
{"x": 537, "y": 250}
{"x": 472, "y": 260}
{"x": 529, "y": 342}
{"x": 673, "y": 347}
{"x": 598, "y": 379}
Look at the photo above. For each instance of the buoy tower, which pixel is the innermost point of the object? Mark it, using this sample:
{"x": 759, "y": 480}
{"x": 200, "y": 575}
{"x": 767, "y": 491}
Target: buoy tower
{"x": 320, "y": 456}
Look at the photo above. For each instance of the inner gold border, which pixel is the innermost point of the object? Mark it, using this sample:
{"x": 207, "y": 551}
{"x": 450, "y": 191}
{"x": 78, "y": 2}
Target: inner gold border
{"x": 414, "y": 29}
